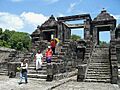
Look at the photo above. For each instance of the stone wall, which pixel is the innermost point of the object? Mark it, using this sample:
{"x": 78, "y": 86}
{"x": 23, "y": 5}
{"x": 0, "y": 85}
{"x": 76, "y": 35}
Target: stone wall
{"x": 4, "y": 53}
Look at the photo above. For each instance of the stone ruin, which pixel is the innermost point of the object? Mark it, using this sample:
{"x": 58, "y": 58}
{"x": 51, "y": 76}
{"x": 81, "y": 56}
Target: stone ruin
{"x": 82, "y": 54}
{"x": 94, "y": 63}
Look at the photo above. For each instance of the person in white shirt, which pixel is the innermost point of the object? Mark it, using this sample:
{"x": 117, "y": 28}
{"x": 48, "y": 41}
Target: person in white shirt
{"x": 23, "y": 73}
{"x": 38, "y": 59}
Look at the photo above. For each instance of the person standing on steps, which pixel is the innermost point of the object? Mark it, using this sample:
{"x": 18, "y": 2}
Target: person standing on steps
{"x": 57, "y": 48}
{"x": 38, "y": 59}
{"x": 53, "y": 45}
{"x": 23, "y": 73}
{"x": 48, "y": 55}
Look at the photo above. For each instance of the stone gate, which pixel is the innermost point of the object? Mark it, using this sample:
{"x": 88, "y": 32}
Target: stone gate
{"x": 53, "y": 28}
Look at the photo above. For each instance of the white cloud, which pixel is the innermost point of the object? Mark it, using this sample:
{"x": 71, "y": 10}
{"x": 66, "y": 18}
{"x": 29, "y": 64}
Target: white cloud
{"x": 10, "y": 21}
{"x": 116, "y": 17}
{"x": 33, "y": 18}
{"x": 71, "y": 7}
{"x": 27, "y": 21}
{"x": 60, "y": 15}
{"x": 16, "y": 0}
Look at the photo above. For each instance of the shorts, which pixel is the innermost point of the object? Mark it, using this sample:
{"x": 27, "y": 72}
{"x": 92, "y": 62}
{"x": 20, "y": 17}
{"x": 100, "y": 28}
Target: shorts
{"x": 48, "y": 59}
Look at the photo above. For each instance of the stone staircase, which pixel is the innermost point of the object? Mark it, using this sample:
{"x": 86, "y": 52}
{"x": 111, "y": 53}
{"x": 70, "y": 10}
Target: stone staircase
{"x": 99, "y": 67}
{"x": 56, "y": 59}
{"x": 3, "y": 68}
{"x": 41, "y": 74}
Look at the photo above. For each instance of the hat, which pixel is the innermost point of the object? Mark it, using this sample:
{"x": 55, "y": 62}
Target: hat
{"x": 49, "y": 47}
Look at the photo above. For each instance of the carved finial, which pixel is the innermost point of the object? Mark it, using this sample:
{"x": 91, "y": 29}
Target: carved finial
{"x": 103, "y": 10}
{"x": 52, "y": 17}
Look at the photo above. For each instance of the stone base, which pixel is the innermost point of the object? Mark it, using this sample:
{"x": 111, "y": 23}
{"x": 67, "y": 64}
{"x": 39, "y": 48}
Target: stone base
{"x": 49, "y": 78}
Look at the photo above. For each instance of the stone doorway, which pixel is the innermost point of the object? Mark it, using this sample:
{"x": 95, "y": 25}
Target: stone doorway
{"x": 48, "y": 35}
{"x": 78, "y": 32}
{"x": 103, "y": 34}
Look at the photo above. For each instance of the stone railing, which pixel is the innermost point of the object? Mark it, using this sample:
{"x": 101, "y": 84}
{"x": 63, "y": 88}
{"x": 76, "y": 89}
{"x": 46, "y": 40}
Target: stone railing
{"x": 82, "y": 69}
{"x": 113, "y": 62}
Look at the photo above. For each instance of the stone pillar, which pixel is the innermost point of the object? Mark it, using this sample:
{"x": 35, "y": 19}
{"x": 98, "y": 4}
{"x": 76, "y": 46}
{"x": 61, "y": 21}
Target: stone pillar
{"x": 60, "y": 30}
{"x": 95, "y": 35}
{"x": 112, "y": 32}
{"x": 81, "y": 73}
{"x": 86, "y": 29}
{"x": 12, "y": 68}
{"x": 114, "y": 78}
{"x": 114, "y": 62}
{"x": 49, "y": 72}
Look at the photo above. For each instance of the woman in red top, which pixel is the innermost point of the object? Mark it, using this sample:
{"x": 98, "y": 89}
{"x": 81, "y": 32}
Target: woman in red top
{"x": 53, "y": 45}
{"x": 48, "y": 54}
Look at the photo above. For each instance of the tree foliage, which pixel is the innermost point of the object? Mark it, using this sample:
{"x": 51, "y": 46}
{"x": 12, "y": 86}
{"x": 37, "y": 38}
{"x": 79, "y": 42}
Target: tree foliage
{"x": 15, "y": 40}
{"x": 103, "y": 44}
{"x": 75, "y": 37}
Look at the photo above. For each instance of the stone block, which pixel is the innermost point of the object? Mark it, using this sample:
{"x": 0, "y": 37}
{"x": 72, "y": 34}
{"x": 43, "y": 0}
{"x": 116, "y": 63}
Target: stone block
{"x": 49, "y": 69}
{"x": 49, "y": 72}
{"x": 81, "y": 72}
{"x": 12, "y": 69}
{"x": 114, "y": 78}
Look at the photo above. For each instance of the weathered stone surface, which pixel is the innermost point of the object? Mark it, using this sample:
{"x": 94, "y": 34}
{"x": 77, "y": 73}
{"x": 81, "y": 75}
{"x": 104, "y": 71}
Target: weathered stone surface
{"x": 81, "y": 72}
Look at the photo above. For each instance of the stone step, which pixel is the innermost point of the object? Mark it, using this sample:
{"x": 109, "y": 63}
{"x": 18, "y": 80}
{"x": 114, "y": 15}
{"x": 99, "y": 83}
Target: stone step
{"x": 99, "y": 64}
{"x": 33, "y": 68}
{"x": 99, "y": 67}
{"x": 98, "y": 77}
{"x": 63, "y": 49}
{"x": 33, "y": 65}
{"x": 37, "y": 72}
{"x": 105, "y": 66}
{"x": 42, "y": 76}
{"x": 92, "y": 72}
{"x": 119, "y": 76}
{"x": 119, "y": 71}
{"x": 65, "y": 45}
{"x": 99, "y": 70}
{"x": 4, "y": 69}
{"x": 105, "y": 49}
{"x": 99, "y": 57}
{"x": 57, "y": 57}
{"x": 66, "y": 42}
{"x": 102, "y": 50}
{"x": 99, "y": 61}
{"x": 98, "y": 80}
{"x": 3, "y": 73}
{"x": 38, "y": 79}
{"x": 100, "y": 54}
{"x": 61, "y": 53}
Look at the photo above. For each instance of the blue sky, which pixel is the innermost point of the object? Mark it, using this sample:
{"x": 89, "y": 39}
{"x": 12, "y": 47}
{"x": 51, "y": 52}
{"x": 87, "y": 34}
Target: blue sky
{"x": 25, "y": 15}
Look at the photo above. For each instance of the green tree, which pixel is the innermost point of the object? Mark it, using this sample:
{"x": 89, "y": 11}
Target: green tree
{"x": 20, "y": 40}
{"x": 15, "y": 40}
{"x": 75, "y": 37}
{"x": 0, "y": 31}
{"x": 103, "y": 44}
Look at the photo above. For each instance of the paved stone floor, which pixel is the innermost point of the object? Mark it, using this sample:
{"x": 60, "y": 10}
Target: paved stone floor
{"x": 66, "y": 84}
{"x": 87, "y": 86}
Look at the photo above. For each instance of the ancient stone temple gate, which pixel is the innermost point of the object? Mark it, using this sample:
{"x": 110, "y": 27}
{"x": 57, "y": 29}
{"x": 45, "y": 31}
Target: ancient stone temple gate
{"x": 94, "y": 63}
